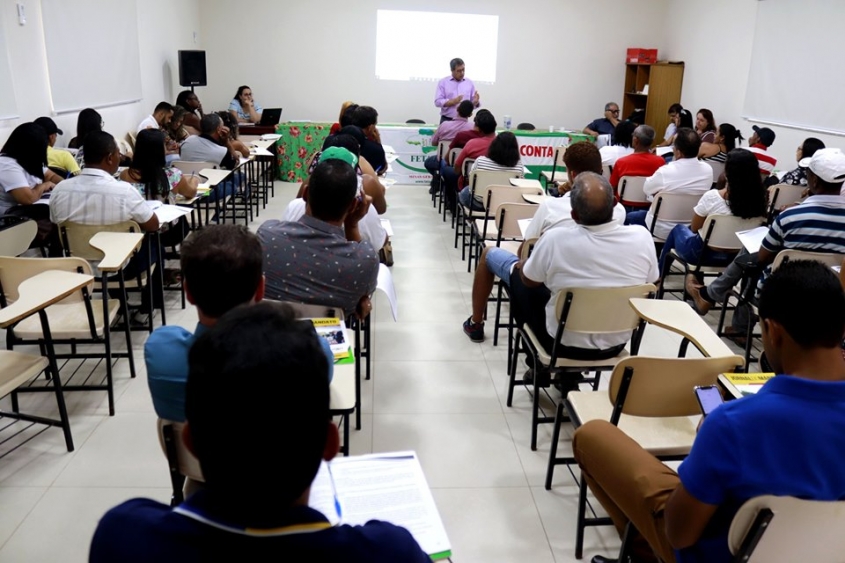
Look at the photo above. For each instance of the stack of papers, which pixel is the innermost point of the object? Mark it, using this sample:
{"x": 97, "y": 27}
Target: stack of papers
{"x": 390, "y": 487}
{"x": 333, "y": 330}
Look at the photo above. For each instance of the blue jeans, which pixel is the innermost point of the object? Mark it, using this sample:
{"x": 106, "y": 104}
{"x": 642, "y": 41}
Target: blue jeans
{"x": 636, "y": 218}
{"x": 466, "y": 199}
{"x": 689, "y": 246}
{"x": 450, "y": 183}
{"x": 432, "y": 164}
{"x": 500, "y": 262}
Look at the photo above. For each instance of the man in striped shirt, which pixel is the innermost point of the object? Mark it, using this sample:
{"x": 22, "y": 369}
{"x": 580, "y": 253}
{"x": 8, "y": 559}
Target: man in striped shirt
{"x": 816, "y": 225}
{"x": 761, "y": 139}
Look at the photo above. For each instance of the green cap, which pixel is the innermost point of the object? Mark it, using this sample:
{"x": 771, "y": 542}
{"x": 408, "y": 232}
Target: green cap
{"x": 339, "y": 153}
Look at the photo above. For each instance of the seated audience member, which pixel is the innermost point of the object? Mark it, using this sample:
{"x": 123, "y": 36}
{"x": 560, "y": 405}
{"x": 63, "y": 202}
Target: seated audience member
{"x": 683, "y": 118}
{"x": 639, "y": 163}
{"x": 816, "y": 225}
{"x": 216, "y": 256}
{"x": 189, "y": 101}
{"x": 684, "y": 175}
{"x": 743, "y": 196}
{"x": 462, "y": 138}
{"x": 370, "y": 225}
{"x": 258, "y": 476}
{"x": 25, "y": 178}
{"x": 798, "y": 176}
{"x": 685, "y": 516}
{"x": 554, "y": 212}
{"x": 150, "y": 171}
{"x": 621, "y": 145}
{"x": 759, "y": 144}
{"x": 87, "y": 121}
{"x": 452, "y": 175}
{"x": 59, "y": 159}
{"x": 604, "y": 125}
{"x": 176, "y": 131}
{"x": 343, "y": 108}
{"x": 160, "y": 118}
{"x": 321, "y": 258}
{"x": 447, "y": 131}
{"x": 95, "y": 197}
{"x": 364, "y": 167}
{"x": 345, "y": 121}
{"x": 705, "y": 125}
{"x": 725, "y": 141}
{"x": 502, "y": 156}
{"x": 596, "y": 252}
{"x": 366, "y": 118}
{"x": 239, "y": 147}
{"x": 244, "y": 108}
{"x": 674, "y": 110}
{"x": 213, "y": 145}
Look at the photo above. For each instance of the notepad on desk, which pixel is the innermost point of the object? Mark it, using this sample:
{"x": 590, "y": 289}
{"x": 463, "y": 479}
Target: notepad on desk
{"x": 742, "y": 384}
{"x": 333, "y": 330}
{"x": 390, "y": 487}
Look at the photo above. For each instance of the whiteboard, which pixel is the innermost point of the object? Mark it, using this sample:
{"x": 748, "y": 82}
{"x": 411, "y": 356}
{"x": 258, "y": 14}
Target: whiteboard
{"x": 8, "y": 105}
{"x": 796, "y": 77}
{"x": 92, "y": 53}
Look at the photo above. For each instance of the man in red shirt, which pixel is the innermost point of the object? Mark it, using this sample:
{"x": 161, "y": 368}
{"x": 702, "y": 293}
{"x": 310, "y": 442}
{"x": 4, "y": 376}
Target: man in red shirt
{"x": 759, "y": 143}
{"x": 641, "y": 162}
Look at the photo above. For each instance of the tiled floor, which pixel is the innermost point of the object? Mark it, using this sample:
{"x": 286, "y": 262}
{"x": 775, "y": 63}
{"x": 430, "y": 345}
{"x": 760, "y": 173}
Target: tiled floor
{"x": 432, "y": 391}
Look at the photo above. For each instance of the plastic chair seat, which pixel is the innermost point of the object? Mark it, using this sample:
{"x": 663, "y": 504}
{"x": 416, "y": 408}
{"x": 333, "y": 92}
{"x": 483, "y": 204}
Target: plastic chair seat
{"x": 68, "y": 321}
{"x": 545, "y": 357}
{"x": 17, "y": 368}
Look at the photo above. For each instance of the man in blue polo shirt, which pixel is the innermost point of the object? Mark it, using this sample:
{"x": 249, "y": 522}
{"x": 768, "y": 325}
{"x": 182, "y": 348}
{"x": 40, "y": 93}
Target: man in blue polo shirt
{"x": 258, "y": 421}
{"x": 221, "y": 269}
{"x": 786, "y": 440}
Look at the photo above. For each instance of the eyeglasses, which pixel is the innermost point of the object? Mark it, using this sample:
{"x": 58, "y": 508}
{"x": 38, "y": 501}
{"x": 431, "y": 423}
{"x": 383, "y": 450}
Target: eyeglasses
{"x": 613, "y": 111}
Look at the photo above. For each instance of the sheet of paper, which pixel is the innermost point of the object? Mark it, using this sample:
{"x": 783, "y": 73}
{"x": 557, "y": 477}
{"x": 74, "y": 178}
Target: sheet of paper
{"x": 170, "y": 213}
{"x": 387, "y": 182}
{"x": 270, "y": 137}
{"x": 663, "y": 151}
{"x": 523, "y": 225}
{"x": 752, "y": 239}
{"x": 389, "y": 487}
{"x": 242, "y": 161}
{"x": 260, "y": 152}
{"x": 388, "y": 228}
{"x": 385, "y": 283}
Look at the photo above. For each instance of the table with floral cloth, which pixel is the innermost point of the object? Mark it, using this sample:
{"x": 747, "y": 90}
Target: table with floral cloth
{"x": 299, "y": 141}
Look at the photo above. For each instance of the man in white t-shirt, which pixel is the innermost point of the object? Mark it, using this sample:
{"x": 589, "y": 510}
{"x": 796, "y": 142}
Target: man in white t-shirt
{"x": 159, "y": 119}
{"x": 596, "y": 252}
{"x": 95, "y": 197}
{"x": 684, "y": 175}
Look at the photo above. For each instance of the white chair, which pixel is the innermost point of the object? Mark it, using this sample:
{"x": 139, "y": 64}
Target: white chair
{"x": 558, "y": 171}
{"x": 442, "y": 151}
{"x": 717, "y": 167}
{"x": 827, "y": 258}
{"x": 781, "y": 195}
{"x": 185, "y": 472}
{"x": 16, "y": 234}
{"x": 606, "y": 170}
{"x": 581, "y": 311}
{"x": 672, "y": 207}
{"x": 718, "y": 234}
{"x": 477, "y": 181}
{"x": 652, "y": 401}
{"x": 770, "y": 529}
{"x": 485, "y": 228}
{"x": 631, "y": 193}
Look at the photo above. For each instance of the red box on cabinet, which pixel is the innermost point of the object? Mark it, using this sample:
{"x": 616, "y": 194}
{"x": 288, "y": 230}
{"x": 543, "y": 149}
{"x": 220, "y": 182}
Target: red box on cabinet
{"x": 638, "y": 55}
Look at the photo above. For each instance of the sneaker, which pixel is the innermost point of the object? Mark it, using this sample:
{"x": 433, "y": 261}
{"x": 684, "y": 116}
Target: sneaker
{"x": 694, "y": 289}
{"x": 386, "y": 254}
{"x": 475, "y": 331}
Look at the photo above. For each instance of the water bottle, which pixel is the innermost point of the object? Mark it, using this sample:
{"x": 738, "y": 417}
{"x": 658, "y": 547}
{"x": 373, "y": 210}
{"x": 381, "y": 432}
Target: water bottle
{"x": 507, "y": 122}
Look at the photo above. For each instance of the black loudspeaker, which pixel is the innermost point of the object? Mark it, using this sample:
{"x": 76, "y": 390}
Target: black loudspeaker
{"x": 192, "y": 68}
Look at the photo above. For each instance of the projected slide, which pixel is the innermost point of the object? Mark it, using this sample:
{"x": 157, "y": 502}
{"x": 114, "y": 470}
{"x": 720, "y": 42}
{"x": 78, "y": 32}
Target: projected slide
{"x": 419, "y": 45}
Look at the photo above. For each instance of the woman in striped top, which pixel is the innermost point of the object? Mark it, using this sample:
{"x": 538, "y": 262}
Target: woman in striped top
{"x": 725, "y": 142}
{"x": 502, "y": 156}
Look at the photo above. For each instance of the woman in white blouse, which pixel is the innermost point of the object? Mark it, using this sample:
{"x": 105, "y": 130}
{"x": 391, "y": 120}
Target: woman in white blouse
{"x": 743, "y": 196}
{"x": 502, "y": 156}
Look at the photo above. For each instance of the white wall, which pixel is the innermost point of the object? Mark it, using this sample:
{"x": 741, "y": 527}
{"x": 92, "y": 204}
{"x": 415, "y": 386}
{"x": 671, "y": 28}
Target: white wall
{"x": 715, "y": 40}
{"x": 164, "y": 26}
{"x": 559, "y": 60}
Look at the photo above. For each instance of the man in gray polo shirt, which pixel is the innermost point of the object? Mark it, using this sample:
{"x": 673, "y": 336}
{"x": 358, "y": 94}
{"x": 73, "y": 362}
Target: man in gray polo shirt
{"x": 213, "y": 145}
{"x": 320, "y": 258}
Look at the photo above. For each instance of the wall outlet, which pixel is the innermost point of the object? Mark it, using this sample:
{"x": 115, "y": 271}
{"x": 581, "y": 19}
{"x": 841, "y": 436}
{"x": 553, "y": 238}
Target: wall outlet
{"x": 21, "y": 14}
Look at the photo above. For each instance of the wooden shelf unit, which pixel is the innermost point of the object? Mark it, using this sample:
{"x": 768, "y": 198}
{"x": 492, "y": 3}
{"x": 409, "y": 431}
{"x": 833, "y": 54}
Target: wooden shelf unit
{"x": 664, "y": 80}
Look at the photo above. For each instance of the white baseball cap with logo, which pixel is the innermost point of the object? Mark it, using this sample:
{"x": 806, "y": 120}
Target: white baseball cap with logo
{"x": 827, "y": 164}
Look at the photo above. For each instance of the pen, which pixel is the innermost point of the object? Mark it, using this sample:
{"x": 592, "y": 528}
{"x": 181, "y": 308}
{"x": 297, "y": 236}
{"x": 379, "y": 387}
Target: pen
{"x": 334, "y": 492}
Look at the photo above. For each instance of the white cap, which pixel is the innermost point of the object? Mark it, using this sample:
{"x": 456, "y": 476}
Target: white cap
{"x": 827, "y": 164}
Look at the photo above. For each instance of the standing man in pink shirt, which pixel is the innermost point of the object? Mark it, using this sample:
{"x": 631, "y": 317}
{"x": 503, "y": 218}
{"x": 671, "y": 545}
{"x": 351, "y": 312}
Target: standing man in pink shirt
{"x": 453, "y": 89}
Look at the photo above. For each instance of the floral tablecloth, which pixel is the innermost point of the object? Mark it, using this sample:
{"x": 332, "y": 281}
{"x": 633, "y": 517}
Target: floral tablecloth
{"x": 299, "y": 141}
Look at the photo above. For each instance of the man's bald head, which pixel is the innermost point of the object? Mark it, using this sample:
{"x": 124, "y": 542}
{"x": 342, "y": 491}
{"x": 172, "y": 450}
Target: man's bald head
{"x": 592, "y": 199}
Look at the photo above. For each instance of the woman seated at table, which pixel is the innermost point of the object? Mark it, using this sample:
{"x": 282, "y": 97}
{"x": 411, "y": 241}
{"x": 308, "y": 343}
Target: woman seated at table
{"x": 243, "y": 108}
{"x": 25, "y": 178}
{"x": 705, "y": 125}
{"x": 623, "y": 137}
{"x": 89, "y": 121}
{"x": 232, "y": 125}
{"x": 502, "y": 156}
{"x": 344, "y": 107}
{"x": 193, "y": 110}
{"x": 681, "y": 119}
{"x": 798, "y": 176}
{"x": 175, "y": 130}
{"x": 725, "y": 141}
{"x": 743, "y": 196}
